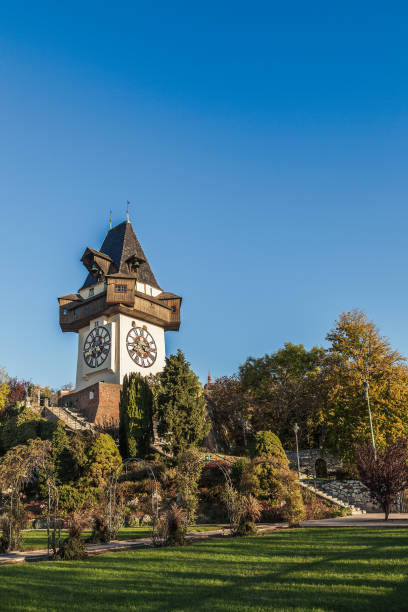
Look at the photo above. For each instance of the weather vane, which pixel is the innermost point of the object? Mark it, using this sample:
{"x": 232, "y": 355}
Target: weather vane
{"x": 110, "y": 219}
{"x": 127, "y": 210}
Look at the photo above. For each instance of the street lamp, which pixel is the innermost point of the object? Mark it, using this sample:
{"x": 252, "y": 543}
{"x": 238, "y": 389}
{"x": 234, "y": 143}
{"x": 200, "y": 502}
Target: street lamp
{"x": 366, "y": 386}
{"x": 296, "y": 429}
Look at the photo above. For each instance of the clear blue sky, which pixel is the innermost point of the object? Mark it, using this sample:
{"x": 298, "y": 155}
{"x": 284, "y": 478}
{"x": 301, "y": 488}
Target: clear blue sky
{"x": 263, "y": 147}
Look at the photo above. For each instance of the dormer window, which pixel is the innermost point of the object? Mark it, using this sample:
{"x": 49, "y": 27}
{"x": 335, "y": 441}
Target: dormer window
{"x": 120, "y": 288}
{"x": 91, "y": 292}
{"x": 133, "y": 263}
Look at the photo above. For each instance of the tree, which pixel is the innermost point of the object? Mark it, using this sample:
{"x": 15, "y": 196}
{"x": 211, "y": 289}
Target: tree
{"x": 359, "y": 353}
{"x": 18, "y": 390}
{"x": 4, "y": 393}
{"x": 4, "y": 388}
{"x": 384, "y": 473}
{"x": 23, "y": 424}
{"x": 17, "y": 467}
{"x": 103, "y": 460}
{"x": 181, "y": 406}
{"x": 286, "y": 387}
{"x": 63, "y": 456}
{"x": 189, "y": 468}
{"x": 135, "y": 416}
{"x": 267, "y": 444}
{"x": 230, "y": 412}
{"x": 268, "y": 477}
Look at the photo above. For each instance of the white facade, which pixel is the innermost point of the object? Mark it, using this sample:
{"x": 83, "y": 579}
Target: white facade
{"x": 94, "y": 289}
{"x": 119, "y": 362}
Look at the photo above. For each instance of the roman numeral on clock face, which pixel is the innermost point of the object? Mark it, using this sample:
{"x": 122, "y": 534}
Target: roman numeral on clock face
{"x": 97, "y": 347}
{"x": 141, "y": 347}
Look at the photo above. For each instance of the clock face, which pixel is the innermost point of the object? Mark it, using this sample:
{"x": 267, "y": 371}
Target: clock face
{"x": 96, "y": 347}
{"x": 141, "y": 347}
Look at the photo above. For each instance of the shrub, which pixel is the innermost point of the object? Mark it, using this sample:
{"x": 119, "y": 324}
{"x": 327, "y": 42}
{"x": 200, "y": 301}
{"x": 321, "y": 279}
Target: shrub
{"x": 271, "y": 513}
{"x": 190, "y": 465}
{"x": 175, "y": 526}
{"x": 238, "y": 468}
{"x": 100, "y": 531}
{"x": 316, "y": 508}
{"x": 251, "y": 512}
{"x": 103, "y": 460}
{"x": 234, "y": 503}
{"x": 71, "y": 498}
{"x": 267, "y": 444}
{"x": 73, "y": 548}
{"x": 293, "y": 511}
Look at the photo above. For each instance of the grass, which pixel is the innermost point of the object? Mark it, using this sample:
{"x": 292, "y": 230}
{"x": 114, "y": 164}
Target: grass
{"x": 305, "y": 569}
{"x": 36, "y": 539}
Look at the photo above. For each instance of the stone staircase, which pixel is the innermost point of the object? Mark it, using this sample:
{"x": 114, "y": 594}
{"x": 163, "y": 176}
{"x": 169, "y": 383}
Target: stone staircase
{"x": 70, "y": 416}
{"x": 309, "y": 484}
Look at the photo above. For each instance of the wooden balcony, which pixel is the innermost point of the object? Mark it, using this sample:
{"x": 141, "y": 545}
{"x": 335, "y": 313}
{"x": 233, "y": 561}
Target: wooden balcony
{"x": 77, "y": 314}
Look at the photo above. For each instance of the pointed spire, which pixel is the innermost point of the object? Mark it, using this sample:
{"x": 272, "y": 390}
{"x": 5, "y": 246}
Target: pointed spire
{"x": 127, "y": 210}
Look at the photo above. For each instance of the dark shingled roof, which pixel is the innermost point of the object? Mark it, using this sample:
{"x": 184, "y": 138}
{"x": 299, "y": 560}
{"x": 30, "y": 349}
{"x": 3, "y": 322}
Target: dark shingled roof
{"x": 121, "y": 244}
{"x": 98, "y": 254}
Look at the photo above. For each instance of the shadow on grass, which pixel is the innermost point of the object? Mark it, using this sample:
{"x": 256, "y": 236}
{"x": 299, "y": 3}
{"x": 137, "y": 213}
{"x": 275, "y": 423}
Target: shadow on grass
{"x": 349, "y": 569}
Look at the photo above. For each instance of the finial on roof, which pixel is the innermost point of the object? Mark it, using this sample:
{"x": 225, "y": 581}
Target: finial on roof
{"x": 127, "y": 210}
{"x": 110, "y": 219}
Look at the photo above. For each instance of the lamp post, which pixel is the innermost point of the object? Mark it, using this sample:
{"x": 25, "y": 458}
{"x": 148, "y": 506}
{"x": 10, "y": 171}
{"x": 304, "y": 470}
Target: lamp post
{"x": 296, "y": 429}
{"x": 366, "y": 387}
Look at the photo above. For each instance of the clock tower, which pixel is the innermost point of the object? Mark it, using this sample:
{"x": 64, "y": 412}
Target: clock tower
{"x": 121, "y": 315}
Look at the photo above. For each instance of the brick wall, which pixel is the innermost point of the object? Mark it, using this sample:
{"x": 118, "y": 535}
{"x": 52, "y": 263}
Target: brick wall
{"x": 99, "y": 402}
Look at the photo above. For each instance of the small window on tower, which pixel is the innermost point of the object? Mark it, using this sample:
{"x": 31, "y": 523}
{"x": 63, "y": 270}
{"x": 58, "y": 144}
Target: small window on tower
{"x": 120, "y": 288}
{"x": 65, "y": 311}
{"x": 173, "y": 309}
{"x": 91, "y": 395}
{"x": 91, "y": 292}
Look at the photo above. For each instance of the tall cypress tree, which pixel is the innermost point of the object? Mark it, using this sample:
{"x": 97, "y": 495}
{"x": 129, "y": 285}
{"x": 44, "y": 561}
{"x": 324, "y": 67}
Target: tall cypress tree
{"x": 135, "y": 414}
{"x": 181, "y": 406}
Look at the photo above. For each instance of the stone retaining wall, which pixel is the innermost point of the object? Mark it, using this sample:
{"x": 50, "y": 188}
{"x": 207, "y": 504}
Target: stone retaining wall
{"x": 352, "y": 492}
{"x": 308, "y": 458}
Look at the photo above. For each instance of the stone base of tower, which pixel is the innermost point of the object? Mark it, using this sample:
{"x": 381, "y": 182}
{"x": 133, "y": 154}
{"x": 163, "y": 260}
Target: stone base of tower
{"x": 99, "y": 403}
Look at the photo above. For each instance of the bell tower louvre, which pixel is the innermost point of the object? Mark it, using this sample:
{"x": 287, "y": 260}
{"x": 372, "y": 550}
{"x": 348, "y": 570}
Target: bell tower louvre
{"x": 121, "y": 315}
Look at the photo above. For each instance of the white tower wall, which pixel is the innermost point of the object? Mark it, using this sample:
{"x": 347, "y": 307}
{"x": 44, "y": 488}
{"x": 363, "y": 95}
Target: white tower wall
{"x": 118, "y": 362}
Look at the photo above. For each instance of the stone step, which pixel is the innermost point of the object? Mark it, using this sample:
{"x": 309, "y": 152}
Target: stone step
{"x": 335, "y": 500}
{"x": 73, "y": 421}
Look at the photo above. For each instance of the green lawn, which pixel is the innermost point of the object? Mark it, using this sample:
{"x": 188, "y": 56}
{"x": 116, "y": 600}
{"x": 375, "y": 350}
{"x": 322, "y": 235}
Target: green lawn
{"x": 35, "y": 539}
{"x": 305, "y": 569}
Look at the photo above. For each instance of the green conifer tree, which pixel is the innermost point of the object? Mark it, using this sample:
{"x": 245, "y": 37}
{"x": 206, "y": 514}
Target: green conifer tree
{"x": 181, "y": 406}
{"x": 135, "y": 416}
